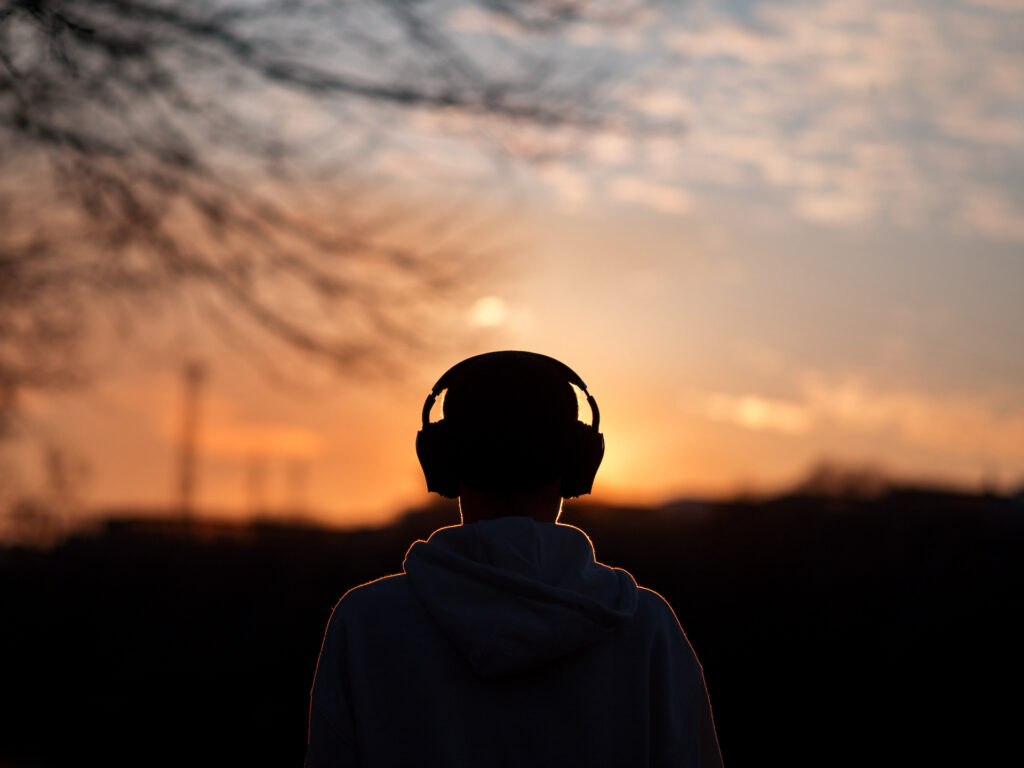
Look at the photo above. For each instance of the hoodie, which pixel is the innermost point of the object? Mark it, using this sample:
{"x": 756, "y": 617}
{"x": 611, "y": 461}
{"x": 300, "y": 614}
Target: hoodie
{"x": 504, "y": 643}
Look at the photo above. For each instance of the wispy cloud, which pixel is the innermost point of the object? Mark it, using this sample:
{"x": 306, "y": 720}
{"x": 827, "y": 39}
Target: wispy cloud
{"x": 840, "y": 113}
{"x": 1008, "y": 6}
{"x": 243, "y": 439}
{"x": 990, "y": 213}
{"x": 571, "y": 187}
{"x": 757, "y": 412}
{"x": 225, "y": 432}
{"x": 658, "y": 197}
{"x": 955, "y": 424}
{"x": 828, "y": 106}
{"x": 480, "y": 21}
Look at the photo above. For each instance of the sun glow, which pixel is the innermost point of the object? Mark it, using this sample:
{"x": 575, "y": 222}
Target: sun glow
{"x": 488, "y": 312}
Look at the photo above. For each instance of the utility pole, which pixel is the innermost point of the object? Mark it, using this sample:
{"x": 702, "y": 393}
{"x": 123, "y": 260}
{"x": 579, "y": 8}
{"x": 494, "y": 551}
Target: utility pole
{"x": 193, "y": 375}
{"x": 256, "y": 484}
{"x": 298, "y": 482}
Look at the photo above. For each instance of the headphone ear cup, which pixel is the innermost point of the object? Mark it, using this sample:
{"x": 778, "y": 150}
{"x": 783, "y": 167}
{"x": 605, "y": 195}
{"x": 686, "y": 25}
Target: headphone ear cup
{"x": 584, "y": 451}
{"x": 435, "y": 452}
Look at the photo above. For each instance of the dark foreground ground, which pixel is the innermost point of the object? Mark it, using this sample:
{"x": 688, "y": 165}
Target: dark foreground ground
{"x": 833, "y": 631}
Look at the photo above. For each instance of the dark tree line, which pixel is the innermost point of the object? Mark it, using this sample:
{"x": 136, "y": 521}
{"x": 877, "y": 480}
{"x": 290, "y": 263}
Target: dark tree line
{"x": 833, "y": 630}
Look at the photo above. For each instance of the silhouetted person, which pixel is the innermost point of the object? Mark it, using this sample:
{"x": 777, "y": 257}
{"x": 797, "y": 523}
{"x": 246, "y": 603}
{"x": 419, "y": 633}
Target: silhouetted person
{"x": 504, "y": 643}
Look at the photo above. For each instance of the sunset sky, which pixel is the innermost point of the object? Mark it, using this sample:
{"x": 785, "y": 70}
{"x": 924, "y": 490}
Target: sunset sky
{"x": 828, "y": 263}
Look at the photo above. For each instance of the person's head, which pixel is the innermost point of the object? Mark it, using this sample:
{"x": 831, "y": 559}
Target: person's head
{"x": 510, "y": 434}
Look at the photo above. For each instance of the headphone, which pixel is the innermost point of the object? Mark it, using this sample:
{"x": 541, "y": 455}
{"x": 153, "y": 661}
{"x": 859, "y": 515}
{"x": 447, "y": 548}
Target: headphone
{"x": 436, "y": 441}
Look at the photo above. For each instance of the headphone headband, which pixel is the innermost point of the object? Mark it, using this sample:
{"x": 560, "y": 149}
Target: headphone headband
{"x": 507, "y": 355}
{"x": 557, "y": 366}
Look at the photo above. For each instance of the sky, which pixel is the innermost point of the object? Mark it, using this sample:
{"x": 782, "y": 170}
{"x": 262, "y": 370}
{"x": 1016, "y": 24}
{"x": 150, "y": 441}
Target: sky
{"x": 826, "y": 264}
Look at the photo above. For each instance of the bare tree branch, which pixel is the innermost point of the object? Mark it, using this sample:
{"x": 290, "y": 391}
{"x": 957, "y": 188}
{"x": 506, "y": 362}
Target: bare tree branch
{"x": 143, "y": 155}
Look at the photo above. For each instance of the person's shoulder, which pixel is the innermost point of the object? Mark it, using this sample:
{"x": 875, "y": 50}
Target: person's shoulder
{"x": 377, "y": 593}
{"x": 365, "y": 611}
{"x": 652, "y": 607}
{"x": 663, "y": 623}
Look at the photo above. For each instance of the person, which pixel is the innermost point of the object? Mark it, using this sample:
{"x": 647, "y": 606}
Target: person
{"x": 504, "y": 642}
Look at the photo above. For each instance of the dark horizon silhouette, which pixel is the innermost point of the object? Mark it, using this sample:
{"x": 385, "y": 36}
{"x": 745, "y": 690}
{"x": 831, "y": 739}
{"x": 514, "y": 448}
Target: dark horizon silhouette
{"x": 832, "y": 629}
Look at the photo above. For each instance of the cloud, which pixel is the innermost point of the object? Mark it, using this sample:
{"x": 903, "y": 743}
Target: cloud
{"x": 245, "y": 439}
{"x": 588, "y": 35}
{"x": 726, "y": 39}
{"x": 1007, "y": 6}
{"x": 967, "y": 122}
{"x": 659, "y": 103}
{"x": 989, "y": 213}
{"x": 758, "y": 413}
{"x": 628, "y": 35}
{"x": 956, "y": 424}
{"x": 571, "y": 187}
{"x": 845, "y": 111}
{"x": 649, "y": 194}
{"x": 479, "y": 21}
{"x": 611, "y": 149}
{"x": 833, "y": 207}
{"x": 838, "y": 112}
{"x": 223, "y": 432}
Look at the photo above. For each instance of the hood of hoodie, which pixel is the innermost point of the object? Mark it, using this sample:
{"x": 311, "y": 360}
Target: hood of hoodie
{"x": 512, "y": 594}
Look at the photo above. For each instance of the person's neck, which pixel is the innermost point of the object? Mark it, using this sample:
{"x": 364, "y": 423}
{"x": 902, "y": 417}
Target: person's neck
{"x": 543, "y": 505}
